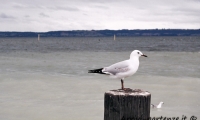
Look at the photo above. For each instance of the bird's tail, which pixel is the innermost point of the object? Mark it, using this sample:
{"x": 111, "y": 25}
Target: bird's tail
{"x": 99, "y": 71}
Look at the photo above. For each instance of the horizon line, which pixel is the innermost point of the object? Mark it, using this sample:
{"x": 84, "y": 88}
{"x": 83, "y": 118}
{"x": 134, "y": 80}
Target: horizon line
{"x": 105, "y": 29}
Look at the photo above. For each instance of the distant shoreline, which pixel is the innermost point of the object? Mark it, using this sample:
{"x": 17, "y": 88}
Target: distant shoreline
{"x": 106, "y": 33}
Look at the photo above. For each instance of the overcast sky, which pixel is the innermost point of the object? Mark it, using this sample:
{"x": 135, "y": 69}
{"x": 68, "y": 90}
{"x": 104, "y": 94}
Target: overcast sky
{"x": 54, "y": 15}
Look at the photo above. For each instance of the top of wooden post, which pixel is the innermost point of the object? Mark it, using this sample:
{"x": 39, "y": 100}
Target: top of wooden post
{"x": 127, "y": 104}
{"x": 128, "y": 91}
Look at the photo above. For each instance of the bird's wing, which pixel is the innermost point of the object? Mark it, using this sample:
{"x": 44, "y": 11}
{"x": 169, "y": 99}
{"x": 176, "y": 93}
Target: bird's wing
{"x": 119, "y": 67}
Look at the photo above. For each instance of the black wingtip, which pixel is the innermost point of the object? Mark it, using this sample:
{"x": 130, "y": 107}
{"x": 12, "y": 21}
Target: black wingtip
{"x": 99, "y": 71}
{"x": 89, "y": 71}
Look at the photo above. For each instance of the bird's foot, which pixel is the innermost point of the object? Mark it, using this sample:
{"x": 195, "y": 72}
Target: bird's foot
{"x": 123, "y": 89}
{"x": 126, "y": 90}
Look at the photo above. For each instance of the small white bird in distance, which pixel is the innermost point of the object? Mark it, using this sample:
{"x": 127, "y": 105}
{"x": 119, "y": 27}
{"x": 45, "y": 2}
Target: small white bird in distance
{"x": 157, "y": 106}
{"x": 122, "y": 69}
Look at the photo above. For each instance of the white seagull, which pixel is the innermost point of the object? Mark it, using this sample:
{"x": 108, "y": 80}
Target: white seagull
{"x": 157, "y": 106}
{"x": 122, "y": 69}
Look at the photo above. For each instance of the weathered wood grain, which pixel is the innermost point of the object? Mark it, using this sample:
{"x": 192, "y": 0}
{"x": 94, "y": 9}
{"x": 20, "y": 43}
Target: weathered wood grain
{"x": 127, "y": 104}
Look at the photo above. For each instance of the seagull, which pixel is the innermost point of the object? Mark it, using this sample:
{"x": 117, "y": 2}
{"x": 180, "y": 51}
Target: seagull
{"x": 157, "y": 106}
{"x": 122, "y": 69}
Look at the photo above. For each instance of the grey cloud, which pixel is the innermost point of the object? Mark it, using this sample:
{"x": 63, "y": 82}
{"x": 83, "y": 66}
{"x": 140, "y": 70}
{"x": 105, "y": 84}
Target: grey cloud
{"x": 27, "y": 16}
{"x": 19, "y": 6}
{"x": 43, "y": 15}
{"x": 187, "y": 11}
{"x": 101, "y": 14}
{"x": 101, "y": 7}
{"x": 26, "y": 6}
{"x": 4, "y": 16}
{"x": 66, "y": 8}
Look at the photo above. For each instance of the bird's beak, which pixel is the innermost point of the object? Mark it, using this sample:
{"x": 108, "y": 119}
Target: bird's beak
{"x": 144, "y": 55}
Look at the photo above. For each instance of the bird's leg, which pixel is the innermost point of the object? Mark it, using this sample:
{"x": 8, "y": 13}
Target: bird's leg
{"x": 122, "y": 84}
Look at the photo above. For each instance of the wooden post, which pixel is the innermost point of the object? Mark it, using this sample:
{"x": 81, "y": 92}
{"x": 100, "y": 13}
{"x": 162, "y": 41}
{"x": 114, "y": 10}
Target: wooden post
{"x": 127, "y": 104}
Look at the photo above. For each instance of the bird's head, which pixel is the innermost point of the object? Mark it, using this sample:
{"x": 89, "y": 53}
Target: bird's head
{"x": 161, "y": 103}
{"x": 137, "y": 53}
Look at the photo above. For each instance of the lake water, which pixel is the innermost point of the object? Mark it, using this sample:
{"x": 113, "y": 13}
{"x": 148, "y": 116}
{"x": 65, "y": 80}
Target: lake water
{"x": 48, "y": 79}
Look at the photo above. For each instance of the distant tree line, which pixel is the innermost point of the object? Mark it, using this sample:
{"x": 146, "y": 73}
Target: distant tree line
{"x": 106, "y": 33}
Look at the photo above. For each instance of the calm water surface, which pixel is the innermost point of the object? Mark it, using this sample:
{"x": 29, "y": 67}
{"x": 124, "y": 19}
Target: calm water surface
{"x": 48, "y": 79}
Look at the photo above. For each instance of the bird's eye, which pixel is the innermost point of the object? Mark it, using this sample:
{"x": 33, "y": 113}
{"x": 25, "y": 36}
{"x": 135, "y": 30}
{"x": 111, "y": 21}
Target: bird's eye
{"x": 138, "y": 52}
